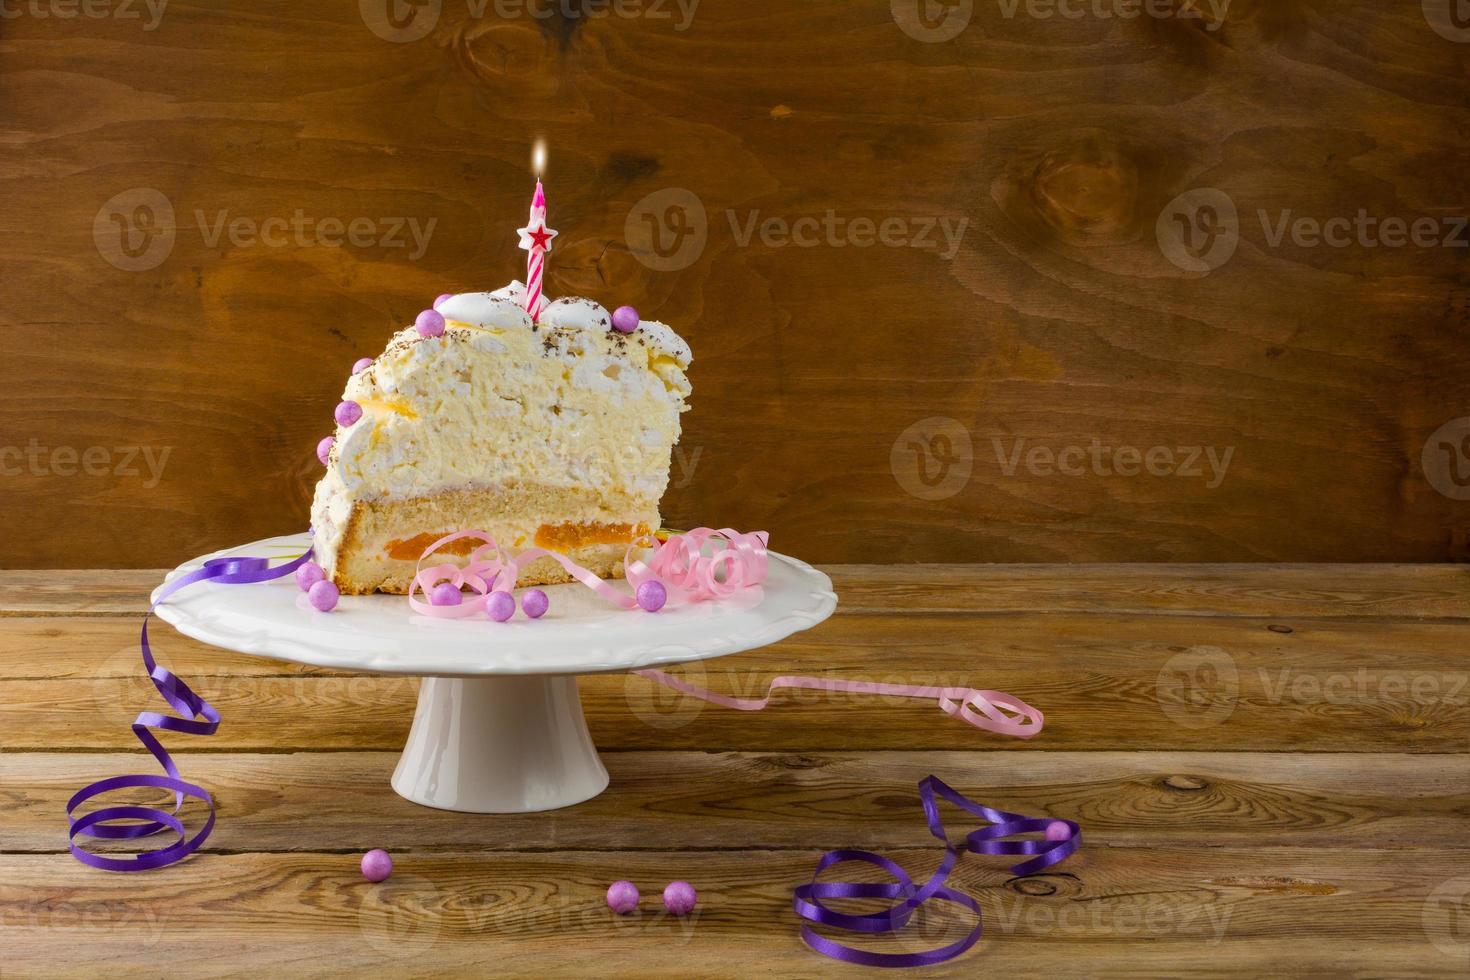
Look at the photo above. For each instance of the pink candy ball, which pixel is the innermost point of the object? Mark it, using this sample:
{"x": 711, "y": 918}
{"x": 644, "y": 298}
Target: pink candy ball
{"x": 501, "y": 606}
{"x": 445, "y": 594}
{"x": 361, "y": 365}
{"x": 376, "y": 865}
{"x": 429, "y": 324}
{"x": 441, "y": 298}
{"x": 308, "y": 575}
{"x": 622, "y": 897}
{"x": 625, "y": 319}
{"x": 323, "y": 596}
{"x": 652, "y": 595}
{"x": 535, "y": 603}
{"x": 347, "y": 413}
{"x": 680, "y": 897}
{"x": 324, "y": 448}
{"x": 1056, "y": 830}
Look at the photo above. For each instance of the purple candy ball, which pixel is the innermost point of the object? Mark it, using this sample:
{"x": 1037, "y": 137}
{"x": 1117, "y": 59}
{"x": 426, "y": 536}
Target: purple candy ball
{"x": 535, "y": 603}
{"x": 1056, "y": 830}
{"x": 348, "y": 413}
{"x": 501, "y": 606}
{"x": 625, "y": 319}
{"x": 308, "y": 575}
{"x": 622, "y": 897}
{"x": 429, "y": 324}
{"x": 323, "y": 596}
{"x": 441, "y": 298}
{"x": 652, "y": 595}
{"x": 324, "y": 448}
{"x": 361, "y": 365}
{"x": 679, "y": 897}
{"x": 376, "y": 864}
{"x": 445, "y": 594}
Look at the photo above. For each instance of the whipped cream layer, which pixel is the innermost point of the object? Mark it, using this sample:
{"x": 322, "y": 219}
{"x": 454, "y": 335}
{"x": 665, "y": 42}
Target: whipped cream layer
{"x": 500, "y": 399}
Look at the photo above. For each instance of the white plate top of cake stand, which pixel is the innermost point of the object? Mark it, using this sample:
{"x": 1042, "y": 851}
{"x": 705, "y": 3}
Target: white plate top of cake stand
{"x": 581, "y": 634}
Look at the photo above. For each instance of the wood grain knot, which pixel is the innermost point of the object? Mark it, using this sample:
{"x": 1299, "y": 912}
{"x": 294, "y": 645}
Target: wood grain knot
{"x": 1186, "y": 784}
{"x": 1275, "y": 628}
{"x": 1035, "y": 885}
{"x": 1086, "y": 192}
{"x": 897, "y": 802}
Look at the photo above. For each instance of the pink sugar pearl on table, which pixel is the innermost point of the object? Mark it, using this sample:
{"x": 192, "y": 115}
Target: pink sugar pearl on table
{"x": 376, "y": 865}
{"x": 680, "y": 897}
{"x": 535, "y": 603}
{"x": 429, "y": 323}
{"x": 445, "y": 594}
{"x": 308, "y": 575}
{"x": 622, "y": 897}
{"x": 324, "y": 448}
{"x": 501, "y": 606}
{"x": 347, "y": 413}
{"x": 651, "y": 595}
{"x": 361, "y": 365}
{"x": 1056, "y": 830}
{"x": 323, "y": 596}
{"x": 625, "y": 319}
{"x": 441, "y": 298}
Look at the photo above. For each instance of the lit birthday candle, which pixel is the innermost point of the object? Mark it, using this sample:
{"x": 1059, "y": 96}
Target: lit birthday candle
{"x": 536, "y": 239}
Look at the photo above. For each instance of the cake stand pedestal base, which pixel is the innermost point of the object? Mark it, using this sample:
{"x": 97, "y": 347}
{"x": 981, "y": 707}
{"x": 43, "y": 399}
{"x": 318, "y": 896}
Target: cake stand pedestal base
{"x": 502, "y": 744}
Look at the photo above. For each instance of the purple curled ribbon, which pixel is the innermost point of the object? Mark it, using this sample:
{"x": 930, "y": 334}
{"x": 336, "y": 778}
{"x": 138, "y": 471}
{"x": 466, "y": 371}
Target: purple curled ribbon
{"x": 199, "y": 718}
{"x": 991, "y": 839}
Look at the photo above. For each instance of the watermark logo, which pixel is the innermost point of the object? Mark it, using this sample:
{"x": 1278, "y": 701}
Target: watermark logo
{"x": 1199, "y": 230}
{"x": 932, "y": 21}
{"x": 1446, "y": 459}
{"x": 667, "y": 230}
{"x": 1450, "y": 19}
{"x": 1198, "y": 687}
{"x": 1446, "y": 919}
{"x": 660, "y": 706}
{"x": 1207, "y": 463}
{"x": 400, "y": 21}
{"x": 134, "y": 231}
{"x": 148, "y": 12}
{"x": 402, "y": 916}
{"x": 933, "y": 458}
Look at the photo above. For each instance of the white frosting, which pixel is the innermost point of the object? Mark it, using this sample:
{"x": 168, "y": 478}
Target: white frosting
{"x": 485, "y": 310}
{"x": 503, "y": 309}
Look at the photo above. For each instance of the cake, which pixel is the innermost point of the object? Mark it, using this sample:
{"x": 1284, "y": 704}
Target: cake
{"x": 553, "y": 432}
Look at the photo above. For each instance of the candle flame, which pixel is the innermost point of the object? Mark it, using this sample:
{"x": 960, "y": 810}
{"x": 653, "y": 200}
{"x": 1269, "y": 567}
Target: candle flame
{"x": 538, "y": 157}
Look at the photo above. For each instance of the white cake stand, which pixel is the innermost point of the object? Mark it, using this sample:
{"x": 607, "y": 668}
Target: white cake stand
{"x": 499, "y": 726}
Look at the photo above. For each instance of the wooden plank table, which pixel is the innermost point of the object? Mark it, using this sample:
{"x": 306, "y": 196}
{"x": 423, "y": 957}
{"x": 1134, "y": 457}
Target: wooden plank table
{"x": 1271, "y": 765}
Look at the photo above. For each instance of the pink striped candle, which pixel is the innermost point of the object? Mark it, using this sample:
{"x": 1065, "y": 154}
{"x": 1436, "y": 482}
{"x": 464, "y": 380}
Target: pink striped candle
{"x": 536, "y": 240}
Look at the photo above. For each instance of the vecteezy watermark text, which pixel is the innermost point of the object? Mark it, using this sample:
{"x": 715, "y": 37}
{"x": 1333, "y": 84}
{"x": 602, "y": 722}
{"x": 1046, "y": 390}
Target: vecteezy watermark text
{"x": 836, "y": 231}
{"x": 304, "y": 231}
{"x": 1188, "y": 462}
{"x": 90, "y": 9}
{"x": 668, "y": 230}
{"x": 34, "y": 459}
{"x": 1120, "y": 10}
{"x": 1200, "y": 230}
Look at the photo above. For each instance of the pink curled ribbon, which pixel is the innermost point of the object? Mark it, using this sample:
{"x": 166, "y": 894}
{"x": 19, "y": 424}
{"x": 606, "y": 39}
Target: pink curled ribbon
{"x": 995, "y": 838}
{"x": 988, "y": 710}
{"x": 199, "y": 717}
{"x": 678, "y": 561}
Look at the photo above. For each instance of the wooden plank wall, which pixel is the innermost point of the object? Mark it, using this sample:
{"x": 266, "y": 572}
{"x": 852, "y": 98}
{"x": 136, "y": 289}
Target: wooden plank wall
{"x": 181, "y": 297}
